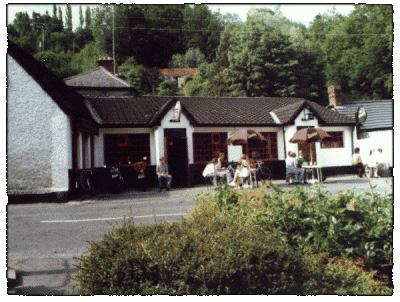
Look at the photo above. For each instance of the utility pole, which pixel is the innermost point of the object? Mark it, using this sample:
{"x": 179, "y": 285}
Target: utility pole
{"x": 43, "y": 37}
{"x": 113, "y": 30}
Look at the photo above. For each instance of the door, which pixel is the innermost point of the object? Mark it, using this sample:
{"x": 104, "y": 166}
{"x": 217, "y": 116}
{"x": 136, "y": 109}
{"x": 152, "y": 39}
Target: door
{"x": 177, "y": 160}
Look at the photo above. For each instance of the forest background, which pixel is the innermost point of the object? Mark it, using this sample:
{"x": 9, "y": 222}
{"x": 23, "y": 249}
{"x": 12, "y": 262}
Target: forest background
{"x": 266, "y": 55}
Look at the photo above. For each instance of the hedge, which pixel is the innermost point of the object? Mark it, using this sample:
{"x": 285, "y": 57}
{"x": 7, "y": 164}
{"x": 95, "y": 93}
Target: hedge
{"x": 201, "y": 256}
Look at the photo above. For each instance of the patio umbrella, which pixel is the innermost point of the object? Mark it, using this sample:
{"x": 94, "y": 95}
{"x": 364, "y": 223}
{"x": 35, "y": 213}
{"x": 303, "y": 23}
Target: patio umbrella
{"x": 309, "y": 135}
{"x": 242, "y": 136}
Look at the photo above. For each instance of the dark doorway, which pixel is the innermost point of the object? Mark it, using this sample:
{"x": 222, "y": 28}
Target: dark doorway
{"x": 177, "y": 159}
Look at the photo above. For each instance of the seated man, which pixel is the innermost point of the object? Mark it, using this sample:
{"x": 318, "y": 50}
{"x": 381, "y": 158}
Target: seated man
{"x": 292, "y": 168}
{"x": 162, "y": 173}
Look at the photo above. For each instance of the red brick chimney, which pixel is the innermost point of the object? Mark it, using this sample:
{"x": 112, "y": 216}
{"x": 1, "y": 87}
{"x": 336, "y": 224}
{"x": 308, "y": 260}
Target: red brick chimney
{"x": 335, "y": 95}
{"x": 107, "y": 63}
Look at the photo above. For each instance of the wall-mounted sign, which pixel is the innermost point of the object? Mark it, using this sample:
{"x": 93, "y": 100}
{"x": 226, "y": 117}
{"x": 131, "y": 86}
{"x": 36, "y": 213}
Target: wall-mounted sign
{"x": 177, "y": 112}
{"x": 361, "y": 115}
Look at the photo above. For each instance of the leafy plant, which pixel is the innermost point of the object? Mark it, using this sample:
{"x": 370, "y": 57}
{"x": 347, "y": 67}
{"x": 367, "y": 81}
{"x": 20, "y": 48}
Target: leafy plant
{"x": 200, "y": 256}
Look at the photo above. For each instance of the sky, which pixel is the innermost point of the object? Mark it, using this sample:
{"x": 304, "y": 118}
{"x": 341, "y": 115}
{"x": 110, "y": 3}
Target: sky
{"x": 303, "y": 13}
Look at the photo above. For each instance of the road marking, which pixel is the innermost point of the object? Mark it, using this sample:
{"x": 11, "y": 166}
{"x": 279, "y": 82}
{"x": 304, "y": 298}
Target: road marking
{"x": 110, "y": 218}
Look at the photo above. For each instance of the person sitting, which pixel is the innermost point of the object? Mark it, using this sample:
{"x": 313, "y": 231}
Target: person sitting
{"x": 293, "y": 169}
{"x": 222, "y": 172}
{"x": 358, "y": 163}
{"x": 242, "y": 171}
{"x": 302, "y": 160}
{"x": 163, "y": 175}
{"x": 383, "y": 168}
{"x": 209, "y": 171}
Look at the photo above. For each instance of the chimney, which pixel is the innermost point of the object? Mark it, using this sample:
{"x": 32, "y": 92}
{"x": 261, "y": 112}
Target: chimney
{"x": 107, "y": 63}
{"x": 335, "y": 95}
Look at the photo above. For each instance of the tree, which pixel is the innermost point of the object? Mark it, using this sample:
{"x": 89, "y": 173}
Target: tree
{"x": 81, "y": 18}
{"x": 167, "y": 88}
{"x": 269, "y": 56}
{"x": 68, "y": 18}
{"x": 357, "y": 51}
{"x": 137, "y": 76}
{"x": 202, "y": 29}
{"x": 59, "y": 63}
{"x": 191, "y": 59}
{"x": 88, "y": 18}
{"x": 86, "y": 59}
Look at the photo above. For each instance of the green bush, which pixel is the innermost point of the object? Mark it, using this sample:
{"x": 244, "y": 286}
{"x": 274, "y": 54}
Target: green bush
{"x": 199, "y": 256}
{"x": 343, "y": 225}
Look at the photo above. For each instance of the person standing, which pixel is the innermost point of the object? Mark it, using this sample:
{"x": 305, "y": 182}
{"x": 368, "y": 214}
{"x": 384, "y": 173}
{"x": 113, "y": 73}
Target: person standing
{"x": 163, "y": 175}
{"x": 358, "y": 163}
{"x": 372, "y": 164}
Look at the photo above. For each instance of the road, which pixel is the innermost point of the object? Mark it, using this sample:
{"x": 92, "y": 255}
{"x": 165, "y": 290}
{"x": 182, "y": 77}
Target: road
{"x": 43, "y": 239}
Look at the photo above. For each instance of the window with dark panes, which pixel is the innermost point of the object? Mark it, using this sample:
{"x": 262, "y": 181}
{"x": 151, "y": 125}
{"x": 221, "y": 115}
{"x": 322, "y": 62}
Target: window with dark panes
{"x": 336, "y": 141}
{"x": 126, "y": 148}
{"x": 207, "y": 146}
{"x": 266, "y": 150}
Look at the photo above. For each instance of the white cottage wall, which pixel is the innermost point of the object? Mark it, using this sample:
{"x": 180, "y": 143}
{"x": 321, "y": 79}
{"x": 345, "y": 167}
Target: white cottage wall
{"x": 38, "y": 137}
{"x": 326, "y": 157}
{"x": 377, "y": 139}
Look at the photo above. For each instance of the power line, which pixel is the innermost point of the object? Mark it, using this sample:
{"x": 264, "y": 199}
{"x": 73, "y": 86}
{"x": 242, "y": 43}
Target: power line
{"x": 209, "y": 30}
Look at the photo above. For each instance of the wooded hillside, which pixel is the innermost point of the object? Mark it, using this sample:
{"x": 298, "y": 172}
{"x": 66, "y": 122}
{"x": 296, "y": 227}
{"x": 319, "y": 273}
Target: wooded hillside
{"x": 267, "y": 55}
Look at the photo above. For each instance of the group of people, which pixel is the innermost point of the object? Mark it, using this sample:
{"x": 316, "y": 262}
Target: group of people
{"x": 215, "y": 170}
{"x": 373, "y": 167}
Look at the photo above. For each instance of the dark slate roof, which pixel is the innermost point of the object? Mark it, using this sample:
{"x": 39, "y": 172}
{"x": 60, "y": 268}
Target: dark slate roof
{"x": 99, "y": 78}
{"x": 71, "y": 102}
{"x": 379, "y": 113}
{"x": 127, "y": 111}
{"x": 147, "y": 111}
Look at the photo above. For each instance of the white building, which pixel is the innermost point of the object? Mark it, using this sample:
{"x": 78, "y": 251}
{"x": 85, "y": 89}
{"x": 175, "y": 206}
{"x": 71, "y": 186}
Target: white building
{"x": 49, "y": 130}
{"x": 53, "y": 133}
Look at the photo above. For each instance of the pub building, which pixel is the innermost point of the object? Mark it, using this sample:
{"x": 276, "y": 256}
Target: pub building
{"x": 190, "y": 131}
{"x": 58, "y": 128}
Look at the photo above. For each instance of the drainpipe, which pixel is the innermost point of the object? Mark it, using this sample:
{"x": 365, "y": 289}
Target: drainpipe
{"x": 284, "y": 142}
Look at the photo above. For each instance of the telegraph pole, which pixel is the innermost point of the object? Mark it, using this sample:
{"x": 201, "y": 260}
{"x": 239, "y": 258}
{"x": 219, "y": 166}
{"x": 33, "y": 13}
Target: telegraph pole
{"x": 113, "y": 30}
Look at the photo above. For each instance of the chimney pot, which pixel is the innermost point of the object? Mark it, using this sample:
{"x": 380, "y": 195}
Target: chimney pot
{"x": 107, "y": 63}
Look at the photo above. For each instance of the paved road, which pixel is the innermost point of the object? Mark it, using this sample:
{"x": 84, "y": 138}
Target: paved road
{"x": 43, "y": 239}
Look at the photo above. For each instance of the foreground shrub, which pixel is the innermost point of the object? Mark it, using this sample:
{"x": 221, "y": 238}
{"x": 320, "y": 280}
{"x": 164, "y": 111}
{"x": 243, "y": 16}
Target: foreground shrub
{"x": 343, "y": 225}
{"x": 200, "y": 256}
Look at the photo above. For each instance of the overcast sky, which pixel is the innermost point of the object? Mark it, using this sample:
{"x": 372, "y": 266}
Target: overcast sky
{"x": 303, "y": 13}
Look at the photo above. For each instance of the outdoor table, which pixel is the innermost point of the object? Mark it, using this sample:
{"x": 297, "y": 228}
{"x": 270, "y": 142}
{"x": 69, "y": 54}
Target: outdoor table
{"x": 312, "y": 167}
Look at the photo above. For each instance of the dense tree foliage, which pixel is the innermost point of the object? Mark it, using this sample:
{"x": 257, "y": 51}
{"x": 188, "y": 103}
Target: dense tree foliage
{"x": 267, "y": 55}
{"x": 357, "y": 51}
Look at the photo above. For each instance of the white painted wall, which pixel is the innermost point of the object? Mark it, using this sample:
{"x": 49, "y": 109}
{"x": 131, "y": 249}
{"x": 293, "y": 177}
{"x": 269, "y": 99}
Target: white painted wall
{"x": 38, "y": 137}
{"x": 326, "y": 157}
{"x": 377, "y": 139}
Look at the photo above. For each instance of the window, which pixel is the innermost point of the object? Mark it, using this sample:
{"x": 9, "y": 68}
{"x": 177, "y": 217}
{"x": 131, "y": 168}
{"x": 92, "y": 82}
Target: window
{"x": 208, "y": 145}
{"x": 266, "y": 150}
{"x": 336, "y": 141}
{"x": 125, "y": 148}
